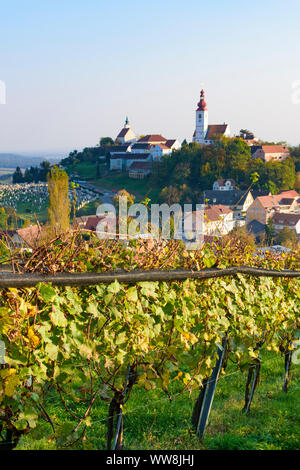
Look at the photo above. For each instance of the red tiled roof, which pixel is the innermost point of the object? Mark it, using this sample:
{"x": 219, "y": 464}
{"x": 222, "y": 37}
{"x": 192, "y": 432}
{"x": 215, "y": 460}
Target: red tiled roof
{"x": 275, "y": 149}
{"x": 30, "y": 235}
{"x": 222, "y": 181}
{"x": 215, "y": 129}
{"x": 152, "y": 138}
{"x": 289, "y": 193}
{"x": 163, "y": 146}
{"x": 283, "y": 198}
{"x": 92, "y": 222}
{"x": 215, "y": 212}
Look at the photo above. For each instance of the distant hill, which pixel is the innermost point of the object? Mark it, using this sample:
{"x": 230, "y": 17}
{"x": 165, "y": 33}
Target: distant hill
{"x": 11, "y": 160}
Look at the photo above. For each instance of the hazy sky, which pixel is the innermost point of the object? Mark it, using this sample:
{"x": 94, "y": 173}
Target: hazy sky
{"x": 74, "y": 68}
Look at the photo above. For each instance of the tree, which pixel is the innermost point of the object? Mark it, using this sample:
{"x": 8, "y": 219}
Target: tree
{"x": 287, "y": 237}
{"x": 105, "y": 141}
{"x": 18, "y": 176}
{"x": 271, "y": 187}
{"x": 270, "y": 232}
{"x": 123, "y": 193}
{"x": 3, "y": 219}
{"x": 59, "y": 202}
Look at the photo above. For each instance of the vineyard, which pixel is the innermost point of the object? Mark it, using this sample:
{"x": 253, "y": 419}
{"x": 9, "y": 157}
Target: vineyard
{"x": 95, "y": 351}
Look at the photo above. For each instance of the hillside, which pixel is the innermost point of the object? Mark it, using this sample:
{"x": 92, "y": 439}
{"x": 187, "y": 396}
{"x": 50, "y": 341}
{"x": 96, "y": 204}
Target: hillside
{"x": 11, "y": 160}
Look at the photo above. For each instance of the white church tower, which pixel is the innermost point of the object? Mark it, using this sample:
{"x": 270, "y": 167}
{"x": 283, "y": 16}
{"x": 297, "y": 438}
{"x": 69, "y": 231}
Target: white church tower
{"x": 201, "y": 121}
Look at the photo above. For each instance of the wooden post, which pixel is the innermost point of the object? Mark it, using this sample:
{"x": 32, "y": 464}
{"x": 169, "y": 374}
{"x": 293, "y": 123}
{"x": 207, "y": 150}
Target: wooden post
{"x": 210, "y": 388}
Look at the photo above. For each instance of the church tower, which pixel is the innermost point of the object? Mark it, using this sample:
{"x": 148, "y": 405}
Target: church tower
{"x": 201, "y": 120}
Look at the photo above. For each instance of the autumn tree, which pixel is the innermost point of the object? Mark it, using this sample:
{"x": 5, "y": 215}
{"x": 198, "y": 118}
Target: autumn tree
{"x": 287, "y": 237}
{"x": 59, "y": 202}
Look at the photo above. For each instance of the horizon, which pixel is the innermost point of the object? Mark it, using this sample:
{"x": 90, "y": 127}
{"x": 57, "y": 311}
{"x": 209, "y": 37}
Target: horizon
{"x": 73, "y": 71}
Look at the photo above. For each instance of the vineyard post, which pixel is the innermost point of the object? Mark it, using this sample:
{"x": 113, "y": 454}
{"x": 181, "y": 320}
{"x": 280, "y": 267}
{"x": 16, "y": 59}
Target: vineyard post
{"x": 253, "y": 376}
{"x": 288, "y": 361}
{"x": 210, "y": 389}
{"x": 117, "y": 440}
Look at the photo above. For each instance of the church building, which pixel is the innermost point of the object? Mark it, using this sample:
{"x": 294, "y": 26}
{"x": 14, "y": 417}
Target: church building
{"x": 205, "y": 132}
{"x": 126, "y": 134}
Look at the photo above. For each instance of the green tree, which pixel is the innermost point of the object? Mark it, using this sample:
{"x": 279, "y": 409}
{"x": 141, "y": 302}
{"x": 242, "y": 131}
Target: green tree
{"x": 287, "y": 237}
{"x": 59, "y": 202}
{"x": 104, "y": 141}
{"x": 18, "y": 176}
{"x": 3, "y": 219}
{"x": 270, "y": 232}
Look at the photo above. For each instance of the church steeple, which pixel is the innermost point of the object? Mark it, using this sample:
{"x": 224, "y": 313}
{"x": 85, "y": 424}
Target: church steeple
{"x": 127, "y": 124}
{"x": 202, "y": 106}
{"x": 201, "y": 120}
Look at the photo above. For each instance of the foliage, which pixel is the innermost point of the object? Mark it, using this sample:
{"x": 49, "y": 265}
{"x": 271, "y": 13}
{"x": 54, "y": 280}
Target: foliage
{"x": 32, "y": 174}
{"x": 288, "y": 238}
{"x": 106, "y": 141}
{"x": 82, "y": 340}
{"x": 270, "y": 232}
{"x": 198, "y": 166}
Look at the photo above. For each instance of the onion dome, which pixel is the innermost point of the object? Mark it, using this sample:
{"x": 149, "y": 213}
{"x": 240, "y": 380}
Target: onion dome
{"x": 202, "y": 106}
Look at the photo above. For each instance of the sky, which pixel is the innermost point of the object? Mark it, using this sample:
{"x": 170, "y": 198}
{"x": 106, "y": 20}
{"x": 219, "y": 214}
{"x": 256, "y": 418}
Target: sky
{"x": 74, "y": 69}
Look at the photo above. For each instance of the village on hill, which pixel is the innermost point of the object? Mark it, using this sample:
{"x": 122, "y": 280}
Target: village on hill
{"x": 229, "y": 203}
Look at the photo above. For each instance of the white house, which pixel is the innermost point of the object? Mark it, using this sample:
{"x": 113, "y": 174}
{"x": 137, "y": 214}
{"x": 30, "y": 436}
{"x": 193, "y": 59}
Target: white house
{"x": 159, "y": 150}
{"x": 213, "y": 221}
{"x": 224, "y": 185}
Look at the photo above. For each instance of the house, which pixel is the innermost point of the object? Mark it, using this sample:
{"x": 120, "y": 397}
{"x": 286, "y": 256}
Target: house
{"x": 23, "y": 238}
{"x": 153, "y": 139}
{"x": 283, "y": 219}
{"x": 122, "y": 161}
{"x": 264, "y": 207}
{"x": 257, "y": 229}
{"x": 173, "y": 144}
{"x": 224, "y": 185}
{"x": 218, "y": 220}
{"x": 119, "y": 148}
{"x": 270, "y": 152}
{"x": 148, "y": 148}
{"x": 212, "y": 221}
{"x": 126, "y": 134}
{"x": 158, "y": 150}
{"x": 204, "y": 132}
{"x": 237, "y": 201}
{"x": 139, "y": 170}
{"x": 141, "y": 147}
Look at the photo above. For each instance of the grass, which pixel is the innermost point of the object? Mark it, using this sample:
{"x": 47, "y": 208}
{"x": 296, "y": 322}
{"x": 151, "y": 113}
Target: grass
{"x": 27, "y": 212}
{"x": 85, "y": 170}
{"x": 117, "y": 180}
{"x": 88, "y": 209}
{"x": 152, "y": 422}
